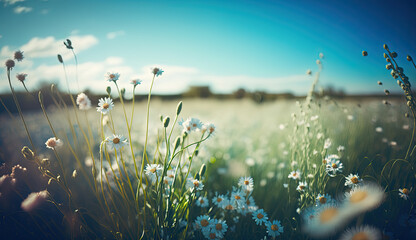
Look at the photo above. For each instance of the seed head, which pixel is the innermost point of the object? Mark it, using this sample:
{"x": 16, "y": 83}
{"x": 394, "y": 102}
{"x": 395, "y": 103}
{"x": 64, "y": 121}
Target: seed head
{"x": 394, "y": 54}
{"x": 379, "y": 83}
{"x": 68, "y": 44}
{"x": 60, "y": 58}
{"x": 385, "y": 47}
{"x": 10, "y": 64}
{"x": 18, "y": 56}
{"x": 385, "y": 55}
{"x": 388, "y": 60}
{"x": 388, "y": 66}
{"x": 409, "y": 58}
{"x": 21, "y": 77}
{"x": 387, "y": 92}
{"x": 365, "y": 54}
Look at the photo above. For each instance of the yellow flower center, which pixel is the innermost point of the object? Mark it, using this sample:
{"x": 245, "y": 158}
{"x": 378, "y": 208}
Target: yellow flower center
{"x": 201, "y": 201}
{"x": 354, "y": 180}
{"x": 405, "y": 191}
{"x": 328, "y": 214}
{"x": 322, "y": 200}
{"x": 237, "y": 197}
{"x": 153, "y": 170}
{"x": 212, "y": 236}
{"x": 260, "y": 216}
{"x": 324, "y": 161}
{"x": 106, "y": 105}
{"x": 360, "y": 236}
{"x": 334, "y": 165}
{"x": 218, "y": 226}
{"x": 274, "y": 227}
{"x": 116, "y": 140}
{"x": 229, "y": 207}
{"x": 194, "y": 125}
{"x": 196, "y": 183}
{"x": 358, "y": 196}
{"x": 112, "y": 76}
{"x": 219, "y": 199}
{"x": 301, "y": 187}
{"x": 166, "y": 181}
{"x": 204, "y": 222}
{"x": 246, "y": 182}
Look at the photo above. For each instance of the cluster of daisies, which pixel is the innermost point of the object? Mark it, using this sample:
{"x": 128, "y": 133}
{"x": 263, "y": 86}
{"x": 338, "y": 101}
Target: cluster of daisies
{"x": 194, "y": 125}
{"x": 238, "y": 202}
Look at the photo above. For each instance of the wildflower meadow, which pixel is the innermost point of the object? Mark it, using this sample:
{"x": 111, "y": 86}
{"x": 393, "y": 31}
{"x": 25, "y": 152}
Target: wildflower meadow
{"x": 116, "y": 168}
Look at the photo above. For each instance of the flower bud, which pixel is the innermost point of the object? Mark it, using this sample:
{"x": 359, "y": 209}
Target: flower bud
{"x": 60, "y": 58}
{"x": 385, "y": 55}
{"x": 387, "y": 92}
{"x": 379, "y": 83}
{"x": 409, "y": 58}
{"x": 166, "y": 122}
{"x": 388, "y": 66}
{"x": 388, "y": 60}
{"x": 394, "y": 54}
{"x": 108, "y": 90}
{"x": 406, "y": 115}
{"x": 202, "y": 170}
{"x": 365, "y": 54}
{"x": 197, "y": 176}
{"x": 177, "y": 142}
{"x": 28, "y": 154}
{"x": 385, "y": 47}
{"x": 74, "y": 174}
{"x": 179, "y": 108}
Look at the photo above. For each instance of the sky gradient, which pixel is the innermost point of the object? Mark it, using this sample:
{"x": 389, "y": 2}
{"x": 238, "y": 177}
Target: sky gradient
{"x": 258, "y": 45}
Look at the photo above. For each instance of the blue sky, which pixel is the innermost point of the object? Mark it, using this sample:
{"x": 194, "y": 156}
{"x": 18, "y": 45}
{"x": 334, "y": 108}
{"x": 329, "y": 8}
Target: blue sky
{"x": 258, "y": 45}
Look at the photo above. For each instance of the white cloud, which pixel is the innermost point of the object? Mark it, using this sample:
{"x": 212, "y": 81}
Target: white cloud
{"x": 49, "y": 47}
{"x": 11, "y": 2}
{"x": 112, "y": 35}
{"x": 21, "y": 9}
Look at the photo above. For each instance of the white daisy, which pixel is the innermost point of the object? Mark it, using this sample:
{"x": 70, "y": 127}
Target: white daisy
{"x": 53, "y": 143}
{"x": 191, "y": 125}
{"x": 404, "y": 193}
{"x": 246, "y": 183}
{"x": 362, "y": 232}
{"x": 353, "y": 180}
{"x": 274, "y": 228}
{"x": 202, "y": 222}
{"x": 112, "y": 77}
{"x": 363, "y": 198}
{"x": 202, "y": 202}
{"x": 136, "y": 82}
{"x": 333, "y": 167}
{"x": 116, "y": 142}
{"x": 192, "y": 183}
{"x": 323, "y": 199}
{"x": 105, "y": 105}
{"x": 294, "y": 175}
{"x": 327, "y": 143}
{"x": 302, "y": 186}
{"x": 208, "y": 127}
{"x": 260, "y": 216}
{"x": 237, "y": 198}
{"x": 219, "y": 227}
{"x": 153, "y": 171}
{"x": 218, "y": 200}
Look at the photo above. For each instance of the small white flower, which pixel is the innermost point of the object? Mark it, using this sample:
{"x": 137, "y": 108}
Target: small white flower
{"x": 404, "y": 193}
{"x": 379, "y": 129}
{"x": 333, "y": 167}
{"x": 191, "y": 124}
{"x": 193, "y": 183}
{"x": 353, "y": 180}
{"x": 218, "y": 200}
{"x": 294, "y": 175}
{"x": 53, "y": 143}
{"x": 237, "y": 198}
{"x": 327, "y": 143}
{"x": 112, "y": 77}
{"x": 153, "y": 171}
{"x": 136, "y": 82}
{"x": 302, "y": 186}
{"x": 202, "y": 202}
{"x": 116, "y": 142}
{"x": 83, "y": 101}
{"x": 105, "y": 105}
{"x": 274, "y": 228}
{"x": 208, "y": 127}
{"x": 340, "y": 148}
{"x": 323, "y": 199}
{"x": 260, "y": 216}
{"x": 246, "y": 183}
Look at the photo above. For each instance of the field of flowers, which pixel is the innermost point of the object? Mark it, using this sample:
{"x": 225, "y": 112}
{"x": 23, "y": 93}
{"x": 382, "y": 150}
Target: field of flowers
{"x": 209, "y": 169}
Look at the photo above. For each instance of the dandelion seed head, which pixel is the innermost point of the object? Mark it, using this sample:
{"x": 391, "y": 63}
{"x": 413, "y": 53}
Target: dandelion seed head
{"x": 10, "y": 64}
{"x": 18, "y": 56}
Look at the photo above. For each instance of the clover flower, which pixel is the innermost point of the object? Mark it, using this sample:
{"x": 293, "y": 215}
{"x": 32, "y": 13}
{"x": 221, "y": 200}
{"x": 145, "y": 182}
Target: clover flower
{"x": 116, "y": 142}
{"x": 353, "y": 180}
{"x": 260, "y": 216}
{"x": 294, "y": 175}
{"x": 274, "y": 228}
{"x": 53, "y": 143}
{"x": 105, "y": 105}
{"x": 112, "y": 77}
{"x": 202, "y": 202}
{"x": 83, "y": 102}
{"x": 18, "y": 56}
{"x": 404, "y": 193}
{"x": 153, "y": 171}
